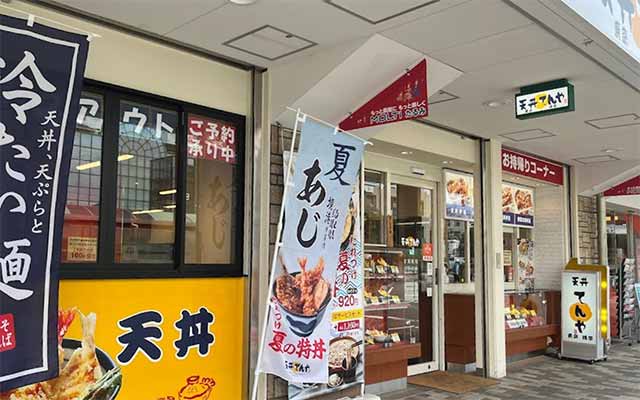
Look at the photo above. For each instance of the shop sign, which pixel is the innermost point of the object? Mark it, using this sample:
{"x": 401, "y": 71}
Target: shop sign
{"x": 459, "y": 195}
{"x": 531, "y": 167}
{"x": 404, "y": 99}
{"x": 517, "y": 206}
{"x": 298, "y": 335}
{"x": 427, "y": 252}
{"x": 630, "y": 187}
{"x": 346, "y": 347}
{"x": 579, "y": 297}
{"x": 183, "y": 344}
{"x": 41, "y": 79}
{"x": 544, "y": 99}
{"x": 140, "y": 121}
{"x": 618, "y": 20}
{"x": 210, "y": 139}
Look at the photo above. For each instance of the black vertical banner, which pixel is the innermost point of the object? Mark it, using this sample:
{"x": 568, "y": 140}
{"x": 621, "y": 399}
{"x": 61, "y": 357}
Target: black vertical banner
{"x": 41, "y": 72}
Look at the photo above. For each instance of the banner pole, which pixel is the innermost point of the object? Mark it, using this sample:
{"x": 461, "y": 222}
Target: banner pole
{"x": 300, "y": 117}
{"x": 361, "y": 208}
{"x": 337, "y": 128}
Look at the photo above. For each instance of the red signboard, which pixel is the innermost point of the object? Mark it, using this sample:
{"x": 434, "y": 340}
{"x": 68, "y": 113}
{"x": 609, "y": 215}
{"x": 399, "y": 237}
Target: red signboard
{"x": 211, "y": 139}
{"x": 404, "y": 99}
{"x": 626, "y": 188}
{"x": 531, "y": 167}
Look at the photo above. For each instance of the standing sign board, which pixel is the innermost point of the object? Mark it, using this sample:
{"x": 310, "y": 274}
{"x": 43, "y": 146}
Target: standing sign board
{"x": 531, "y": 167}
{"x": 404, "y": 99}
{"x": 316, "y": 205}
{"x": 584, "y": 312}
{"x": 544, "y": 99}
{"x": 458, "y": 195}
{"x": 41, "y": 72}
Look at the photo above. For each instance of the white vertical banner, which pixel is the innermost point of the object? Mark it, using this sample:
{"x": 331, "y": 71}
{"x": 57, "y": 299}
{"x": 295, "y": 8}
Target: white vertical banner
{"x": 298, "y": 334}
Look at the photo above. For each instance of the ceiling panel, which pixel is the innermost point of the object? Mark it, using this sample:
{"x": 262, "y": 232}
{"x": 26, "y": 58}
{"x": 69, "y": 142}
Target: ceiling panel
{"x": 464, "y": 23}
{"x": 499, "y": 48}
{"x": 166, "y": 14}
{"x": 376, "y": 11}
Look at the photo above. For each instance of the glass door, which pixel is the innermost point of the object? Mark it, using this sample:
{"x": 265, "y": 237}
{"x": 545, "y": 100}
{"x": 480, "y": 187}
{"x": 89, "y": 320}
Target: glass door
{"x": 413, "y": 216}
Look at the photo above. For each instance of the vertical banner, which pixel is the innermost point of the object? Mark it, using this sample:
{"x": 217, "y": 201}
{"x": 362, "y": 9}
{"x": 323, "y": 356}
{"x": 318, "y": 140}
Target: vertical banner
{"x": 298, "y": 333}
{"x": 346, "y": 347}
{"x": 41, "y": 72}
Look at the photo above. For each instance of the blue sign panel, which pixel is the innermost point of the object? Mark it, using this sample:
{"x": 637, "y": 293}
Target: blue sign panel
{"x": 41, "y": 71}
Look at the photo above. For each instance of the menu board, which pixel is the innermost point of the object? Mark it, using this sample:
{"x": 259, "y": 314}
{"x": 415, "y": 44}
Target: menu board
{"x": 517, "y": 205}
{"x": 526, "y": 268}
{"x": 458, "y": 195}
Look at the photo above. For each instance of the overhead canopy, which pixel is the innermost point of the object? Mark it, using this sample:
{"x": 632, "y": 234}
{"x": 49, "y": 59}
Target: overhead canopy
{"x": 360, "y": 76}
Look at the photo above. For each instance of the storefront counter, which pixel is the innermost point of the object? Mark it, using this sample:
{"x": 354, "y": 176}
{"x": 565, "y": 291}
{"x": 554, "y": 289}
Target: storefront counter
{"x": 388, "y": 363}
{"x": 530, "y": 319}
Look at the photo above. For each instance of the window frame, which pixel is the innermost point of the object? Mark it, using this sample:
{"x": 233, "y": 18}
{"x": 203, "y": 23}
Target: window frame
{"x": 105, "y": 267}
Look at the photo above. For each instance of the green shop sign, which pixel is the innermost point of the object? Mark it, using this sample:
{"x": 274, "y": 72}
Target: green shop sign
{"x": 545, "y": 99}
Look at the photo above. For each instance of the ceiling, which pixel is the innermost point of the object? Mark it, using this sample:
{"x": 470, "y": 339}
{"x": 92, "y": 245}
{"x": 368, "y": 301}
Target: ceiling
{"x": 498, "y": 47}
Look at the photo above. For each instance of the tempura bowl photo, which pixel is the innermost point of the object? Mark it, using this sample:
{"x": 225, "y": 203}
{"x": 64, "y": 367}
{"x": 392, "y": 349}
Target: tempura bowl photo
{"x": 107, "y": 389}
{"x": 300, "y": 324}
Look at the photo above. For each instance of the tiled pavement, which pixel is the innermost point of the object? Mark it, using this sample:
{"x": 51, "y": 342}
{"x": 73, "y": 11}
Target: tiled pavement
{"x": 547, "y": 378}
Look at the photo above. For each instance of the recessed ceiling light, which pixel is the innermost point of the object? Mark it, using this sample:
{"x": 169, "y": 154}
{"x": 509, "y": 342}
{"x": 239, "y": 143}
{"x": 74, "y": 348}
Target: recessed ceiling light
{"x": 447, "y": 162}
{"x": 406, "y": 153}
{"x": 242, "y": 2}
{"x": 610, "y": 150}
{"x": 496, "y": 103}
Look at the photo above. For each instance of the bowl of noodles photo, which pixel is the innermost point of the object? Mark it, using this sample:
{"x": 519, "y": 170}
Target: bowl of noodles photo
{"x": 344, "y": 356}
{"x": 86, "y": 372}
{"x": 303, "y": 296}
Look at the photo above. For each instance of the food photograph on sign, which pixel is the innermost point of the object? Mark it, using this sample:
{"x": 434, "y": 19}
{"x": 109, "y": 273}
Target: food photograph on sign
{"x": 459, "y": 195}
{"x": 517, "y": 205}
{"x": 86, "y": 372}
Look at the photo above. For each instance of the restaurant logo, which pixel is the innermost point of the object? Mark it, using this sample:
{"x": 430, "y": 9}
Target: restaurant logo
{"x": 544, "y": 99}
{"x": 196, "y": 388}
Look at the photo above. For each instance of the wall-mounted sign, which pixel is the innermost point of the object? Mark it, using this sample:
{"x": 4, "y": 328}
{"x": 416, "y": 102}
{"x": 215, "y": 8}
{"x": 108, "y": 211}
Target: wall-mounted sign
{"x": 458, "y": 195}
{"x": 618, "y": 20}
{"x": 211, "y": 139}
{"x": 517, "y": 206}
{"x": 404, "y": 99}
{"x": 545, "y": 98}
{"x": 531, "y": 167}
{"x": 626, "y": 188}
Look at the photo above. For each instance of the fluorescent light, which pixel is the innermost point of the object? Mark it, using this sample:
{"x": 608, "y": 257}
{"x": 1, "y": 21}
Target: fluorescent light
{"x": 170, "y": 206}
{"x": 125, "y": 157}
{"x": 166, "y": 192}
{"x": 90, "y": 165}
{"x": 96, "y": 164}
{"x": 154, "y": 211}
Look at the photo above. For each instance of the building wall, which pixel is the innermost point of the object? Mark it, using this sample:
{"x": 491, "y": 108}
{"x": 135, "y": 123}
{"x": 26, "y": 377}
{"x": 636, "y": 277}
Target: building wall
{"x": 549, "y": 237}
{"x": 132, "y": 62}
{"x": 588, "y": 230}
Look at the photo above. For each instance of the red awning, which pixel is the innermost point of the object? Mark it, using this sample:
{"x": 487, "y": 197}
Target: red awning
{"x": 626, "y": 188}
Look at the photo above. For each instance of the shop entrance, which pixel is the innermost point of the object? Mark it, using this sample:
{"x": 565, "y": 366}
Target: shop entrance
{"x": 400, "y": 215}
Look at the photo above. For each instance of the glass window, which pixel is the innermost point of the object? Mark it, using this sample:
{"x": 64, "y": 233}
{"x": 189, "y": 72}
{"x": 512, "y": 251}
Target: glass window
{"x": 374, "y": 207}
{"x": 457, "y": 250}
{"x": 82, "y": 214}
{"x": 214, "y": 192}
{"x": 145, "y": 218}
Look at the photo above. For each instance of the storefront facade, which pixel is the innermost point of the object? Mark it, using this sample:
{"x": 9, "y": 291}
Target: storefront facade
{"x": 156, "y": 243}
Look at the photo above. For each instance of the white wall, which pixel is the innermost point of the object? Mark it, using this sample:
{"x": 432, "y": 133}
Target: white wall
{"x": 135, "y": 63}
{"x": 549, "y": 237}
